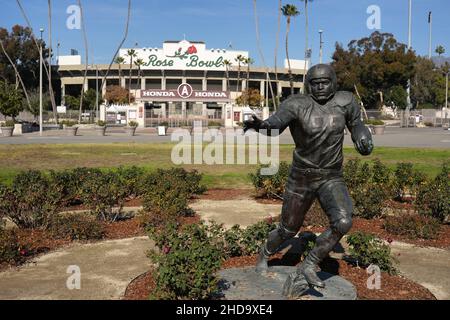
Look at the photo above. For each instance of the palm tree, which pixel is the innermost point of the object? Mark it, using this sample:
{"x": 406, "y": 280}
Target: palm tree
{"x": 289, "y": 10}
{"x": 139, "y": 63}
{"x": 261, "y": 54}
{"x": 50, "y": 53}
{"x": 239, "y": 59}
{"x": 119, "y": 60}
{"x": 248, "y": 61}
{"x": 440, "y": 50}
{"x": 306, "y": 34}
{"x": 227, "y": 64}
{"x": 83, "y": 28}
{"x": 276, "y": 47}
{"x": 132, "y": 54}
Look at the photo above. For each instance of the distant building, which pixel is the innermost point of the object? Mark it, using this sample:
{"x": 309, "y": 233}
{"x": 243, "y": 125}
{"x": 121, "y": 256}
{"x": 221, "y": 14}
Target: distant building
{"x": 182, "y": 80}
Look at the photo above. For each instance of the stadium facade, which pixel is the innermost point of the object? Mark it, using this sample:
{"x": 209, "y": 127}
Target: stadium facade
{"x": 183, "y": 80}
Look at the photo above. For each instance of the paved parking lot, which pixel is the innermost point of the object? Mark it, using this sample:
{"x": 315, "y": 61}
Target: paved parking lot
{"x": 393, "y": 137}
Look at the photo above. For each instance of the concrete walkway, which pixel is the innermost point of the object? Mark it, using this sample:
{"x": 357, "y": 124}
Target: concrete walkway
{"x": 106, "y": 269}
{"x": 430, "y": 267}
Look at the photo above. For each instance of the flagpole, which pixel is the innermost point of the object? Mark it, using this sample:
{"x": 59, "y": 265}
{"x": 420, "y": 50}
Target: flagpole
{"x": 430, "y": 22}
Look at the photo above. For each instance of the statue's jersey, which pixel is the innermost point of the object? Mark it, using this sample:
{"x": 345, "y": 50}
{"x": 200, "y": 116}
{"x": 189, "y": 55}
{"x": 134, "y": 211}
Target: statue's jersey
{"x": 318, "y": 130}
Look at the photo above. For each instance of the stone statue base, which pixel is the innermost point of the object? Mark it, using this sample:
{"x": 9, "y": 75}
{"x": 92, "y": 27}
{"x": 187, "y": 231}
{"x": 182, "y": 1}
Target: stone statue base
{"x": 246, "y": 284}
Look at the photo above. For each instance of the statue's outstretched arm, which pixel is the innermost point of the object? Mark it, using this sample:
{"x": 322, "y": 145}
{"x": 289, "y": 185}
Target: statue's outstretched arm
{"x": 276, "y": 123}
{"x": 361, "y": 136}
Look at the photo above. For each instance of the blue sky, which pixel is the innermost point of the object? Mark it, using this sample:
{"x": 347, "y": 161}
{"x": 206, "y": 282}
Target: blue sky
{"x": 221, "y": 22}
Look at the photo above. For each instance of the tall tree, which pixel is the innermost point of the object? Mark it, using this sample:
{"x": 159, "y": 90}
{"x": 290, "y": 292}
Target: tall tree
{"x": 10, "y": 100}
{"x": 428, "y": 85}
{"x": 280, "y": 5}
{"x": 306, "y": 33}
{"x": 239, "y": 59}
{"x": 289, "y": 11}
{"x": 18, "y": 76}
{"x": 261, "y": 54}
{"x": 139, "y": 63}
{"x": 120, "y": 45}
{"x": 440, "y": 50}
{"x": 374, "y": 64}
{"x": 19, "y": 47}
{"x": 120, "y": 60}
{"x": 132, "y": 54}
{"x": 86, "y": 62}
{"x": 248, "y": 61}
{"x": 50, "y": 54}
{"x": 37, "y": 45}
{"x": 227, "y": 64}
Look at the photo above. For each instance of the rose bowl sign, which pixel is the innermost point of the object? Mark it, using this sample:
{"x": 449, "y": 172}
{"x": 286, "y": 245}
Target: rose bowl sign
{"x": 185, "y": 92}
{"x": 183, "y": 55}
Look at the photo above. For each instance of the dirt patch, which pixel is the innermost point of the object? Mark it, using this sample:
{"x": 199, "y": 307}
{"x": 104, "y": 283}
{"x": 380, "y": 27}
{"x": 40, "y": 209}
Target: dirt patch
{"x": 123, "y": 229}
{"x": 141, "y": 287}
{"x": 225, "y": 194}
{"x": 375, "y": 226}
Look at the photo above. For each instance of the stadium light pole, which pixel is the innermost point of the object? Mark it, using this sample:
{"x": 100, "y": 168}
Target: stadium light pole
{"x": 408, "y": 89}
{"x": 321, "y": 47}
{"x": 430, "y": 23}
{"x": 40, "y": 84}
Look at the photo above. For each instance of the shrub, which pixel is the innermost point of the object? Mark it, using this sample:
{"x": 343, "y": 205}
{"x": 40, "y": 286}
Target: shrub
{"x": 10, "y": 250}
{"x": 406, "y": 180}
{"x": 239, "y": 241}
{"x": 31, "y": 201}
{"x": 270, "y": 186}
{"x": 374, "y": 122}
{"x": 101, "y": 192}
{"x": 187, "y": 261}
{"x": 413, "y": 226}
{"x": 433, "y": 198}
{"x": 254, "y": 236}
{"x": 167, "y": 198}
{"x": 101, "y": 123}
{"x": 367, "y": 250}
{"x": 79, "y": 226}
{"x": 68, "y": 123}
{"x": 65, "y": 185}
{"x": 369, "y": 186}
{"x": 214, "y": 124}
{"x": 168, "y": 191}
{"x": 8, "y": 123}
{"x": 130, "y": 178}
{"x": 353, "y": 175}
{"x": 232, "y": 241}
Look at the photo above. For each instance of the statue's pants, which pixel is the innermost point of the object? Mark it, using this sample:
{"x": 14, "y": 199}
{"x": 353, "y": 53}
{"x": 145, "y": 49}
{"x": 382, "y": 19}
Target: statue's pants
{"x": 302, "y": 188}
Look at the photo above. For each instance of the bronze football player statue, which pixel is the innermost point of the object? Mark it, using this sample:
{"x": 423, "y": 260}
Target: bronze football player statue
{"x": 316, "y": 121}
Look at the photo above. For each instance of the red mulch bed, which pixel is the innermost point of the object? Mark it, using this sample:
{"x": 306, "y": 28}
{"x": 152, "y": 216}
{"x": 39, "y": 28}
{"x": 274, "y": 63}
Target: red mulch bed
{"x": 374, "y": 226}
{"x": 141, "y": 287}
{"x": 135, "y": 202}
{"x": 123, "y": 229}
{"x": 392, "y": 287}
{"x": 225, "y": 194}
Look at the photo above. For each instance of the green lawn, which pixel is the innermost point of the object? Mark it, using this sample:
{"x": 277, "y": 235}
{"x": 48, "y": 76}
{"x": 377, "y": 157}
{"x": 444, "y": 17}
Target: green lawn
{"x": 14, "y": 158}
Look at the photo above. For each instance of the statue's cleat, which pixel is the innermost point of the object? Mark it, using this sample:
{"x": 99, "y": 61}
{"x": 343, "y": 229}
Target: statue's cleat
{"x": 261, "y": 264}
{"x": 311, "y": 277}
{"x": 308, "y": 270}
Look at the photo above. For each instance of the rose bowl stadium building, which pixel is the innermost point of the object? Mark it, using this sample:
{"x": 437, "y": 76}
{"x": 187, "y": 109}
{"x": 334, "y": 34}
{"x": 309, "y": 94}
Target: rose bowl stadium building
{"x": 178, "y": 83}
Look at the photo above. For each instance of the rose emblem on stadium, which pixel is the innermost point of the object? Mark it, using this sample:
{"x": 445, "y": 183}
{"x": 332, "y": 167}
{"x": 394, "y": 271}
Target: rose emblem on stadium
{"x": 178, "y": 54}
